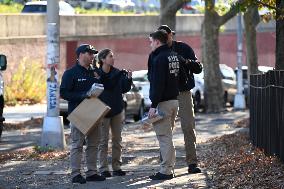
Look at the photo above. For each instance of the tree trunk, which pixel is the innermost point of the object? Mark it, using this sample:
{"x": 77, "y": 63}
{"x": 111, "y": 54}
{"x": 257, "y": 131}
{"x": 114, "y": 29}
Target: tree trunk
{"x": 279, "y": 65}
{"x": 168, "y": 18}
{"x": 168, "y": 12}
{"x": 213, "y": 91}
{"x": 251, "y": 19}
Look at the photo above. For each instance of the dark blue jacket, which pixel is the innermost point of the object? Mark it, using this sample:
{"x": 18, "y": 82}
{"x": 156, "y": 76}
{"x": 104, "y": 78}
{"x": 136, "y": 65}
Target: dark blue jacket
{"x": 116, "y": 83}
{"x": 163, "y": 74}
{"x": 188, "y": 69}
{"x": 75, "y": 83}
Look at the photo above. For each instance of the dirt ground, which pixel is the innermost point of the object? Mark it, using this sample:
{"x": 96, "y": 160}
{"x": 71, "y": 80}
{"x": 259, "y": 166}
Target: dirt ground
{"x": 227, "y": 161}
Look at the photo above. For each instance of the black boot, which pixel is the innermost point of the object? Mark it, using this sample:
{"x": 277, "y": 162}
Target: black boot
{"x": 95, "y": 177}
{"x": 161, "y": 176}
{"x": 106, "y": 174}
{"x": 119, "y": 173}
{"x": 79, "y": 179}
{"x": 192, "y": 169}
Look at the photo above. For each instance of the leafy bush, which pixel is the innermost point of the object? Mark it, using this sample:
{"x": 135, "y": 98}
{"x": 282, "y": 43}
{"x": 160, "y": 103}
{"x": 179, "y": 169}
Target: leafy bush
{"x": 80, "y": 10}
{"x": 11, "y": 7}
{"x": 27, "y": 84}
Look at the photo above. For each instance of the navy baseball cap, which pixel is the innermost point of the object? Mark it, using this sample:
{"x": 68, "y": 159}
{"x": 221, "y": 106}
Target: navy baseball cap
{"x": 167, "y": 29}
{"x": 86, "y": 48}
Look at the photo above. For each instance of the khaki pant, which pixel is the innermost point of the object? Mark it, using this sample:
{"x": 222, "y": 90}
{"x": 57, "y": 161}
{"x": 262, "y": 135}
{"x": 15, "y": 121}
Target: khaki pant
{"x": 115, "y": 125}
{"x": 164, "y": 134}
{"x": 187, "y": 117}
{"x": 77, "y": 139}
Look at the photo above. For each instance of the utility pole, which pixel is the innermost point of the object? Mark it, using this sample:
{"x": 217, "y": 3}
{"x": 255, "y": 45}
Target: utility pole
{"x": 52, "y": 131}
{"x": 239, "y": 102}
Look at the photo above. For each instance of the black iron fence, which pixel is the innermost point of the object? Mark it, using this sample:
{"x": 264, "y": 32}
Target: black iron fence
{"x": 267, "y": 112}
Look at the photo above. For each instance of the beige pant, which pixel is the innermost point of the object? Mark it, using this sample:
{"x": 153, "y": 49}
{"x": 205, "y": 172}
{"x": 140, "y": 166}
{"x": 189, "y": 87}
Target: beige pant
{"x": 187, "y": 117}
{"x": 115, "y": 125}
{"x": 77, "y": 139}
{"x": 164, "y": 134}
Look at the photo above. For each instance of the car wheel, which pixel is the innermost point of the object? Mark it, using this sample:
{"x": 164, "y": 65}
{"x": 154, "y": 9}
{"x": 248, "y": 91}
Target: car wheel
{"x": 197, "y": 100}
{"x": 1, "y": 129}
{"x": 225, "y": 97}
{"x": 140, "y": 114}
{"x": 65, "y": 120}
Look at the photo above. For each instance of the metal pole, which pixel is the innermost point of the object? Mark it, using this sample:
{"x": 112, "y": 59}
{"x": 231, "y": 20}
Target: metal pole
{"x": 53, "y": 131}
{"x": 239, "y": 102}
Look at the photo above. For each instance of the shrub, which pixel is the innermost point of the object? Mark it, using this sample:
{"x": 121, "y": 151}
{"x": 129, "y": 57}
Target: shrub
{"x": 27, "y": 84}
{"x": 10, "y": 7}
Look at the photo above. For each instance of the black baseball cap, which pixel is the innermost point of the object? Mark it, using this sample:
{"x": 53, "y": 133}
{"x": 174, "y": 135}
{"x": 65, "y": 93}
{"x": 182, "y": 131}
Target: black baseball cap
{"x": 85, "y": 48}
{"x": 167, "y": 29}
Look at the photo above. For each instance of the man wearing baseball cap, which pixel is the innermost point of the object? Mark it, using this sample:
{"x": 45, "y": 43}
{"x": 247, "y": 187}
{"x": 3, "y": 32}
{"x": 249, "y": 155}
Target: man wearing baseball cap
{"x": 74, "y": 88}
{"x": 83, "y": 48}
{"x": 186, "y": 107}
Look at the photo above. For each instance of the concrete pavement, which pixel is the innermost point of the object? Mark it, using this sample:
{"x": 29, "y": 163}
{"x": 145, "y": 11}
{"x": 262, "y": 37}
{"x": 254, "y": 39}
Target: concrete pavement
{"x": 140, "y": 158}
{"x": 19, "y": 113}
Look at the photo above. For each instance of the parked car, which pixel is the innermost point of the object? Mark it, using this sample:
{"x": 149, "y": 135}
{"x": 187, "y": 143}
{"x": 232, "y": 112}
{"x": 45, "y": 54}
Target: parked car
{"x": 134, "y": 103}
{"x": 229, "y": 86}
{"x": 140, "y": 79}
{"x": 41, "y": 7}
{"x": 63, "y": 110}
{"x": 3, "y": 66}
{"x": 192, "y": 7}
{"x": 146, "y": 6}
{"x": 198, "y": 91}
{"x": 262, "y": 69}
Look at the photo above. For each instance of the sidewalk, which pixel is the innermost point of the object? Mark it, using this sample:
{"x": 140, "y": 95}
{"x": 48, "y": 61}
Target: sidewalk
{"x": 24, "y": 112}
{"x": 140, "y": 159}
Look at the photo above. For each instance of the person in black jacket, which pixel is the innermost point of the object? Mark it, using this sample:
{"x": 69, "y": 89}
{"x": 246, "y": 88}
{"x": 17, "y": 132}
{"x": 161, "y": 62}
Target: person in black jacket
{"x": 186, "y": 107}
{"x": 75, "y": 84}
{"x": 163, "y": 73}
{"x": 119, "y": 82}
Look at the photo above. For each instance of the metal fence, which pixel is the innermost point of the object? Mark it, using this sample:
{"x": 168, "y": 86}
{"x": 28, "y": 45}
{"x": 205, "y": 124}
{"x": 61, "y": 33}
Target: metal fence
{"x": 267, "y": 112}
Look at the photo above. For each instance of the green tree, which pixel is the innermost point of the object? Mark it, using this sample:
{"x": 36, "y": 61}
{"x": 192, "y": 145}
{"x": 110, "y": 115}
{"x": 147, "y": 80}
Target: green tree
{"x": 279, "y": 64}
{"x": 214, "y": 97}
{"x": 168, "y": 11}
{"x": 213, "y": 20}
{"x": 276, "y": 12}
{"x": 213, "y": 92}
{"x": 251, "y": 20}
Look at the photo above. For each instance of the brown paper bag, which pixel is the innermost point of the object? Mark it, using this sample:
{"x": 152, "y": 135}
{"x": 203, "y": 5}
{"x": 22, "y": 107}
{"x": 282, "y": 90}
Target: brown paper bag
{"x": 88, "y": 114}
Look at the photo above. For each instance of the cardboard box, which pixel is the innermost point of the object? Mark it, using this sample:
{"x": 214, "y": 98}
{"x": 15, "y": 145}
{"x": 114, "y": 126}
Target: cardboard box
{"x": 88, "y": 114}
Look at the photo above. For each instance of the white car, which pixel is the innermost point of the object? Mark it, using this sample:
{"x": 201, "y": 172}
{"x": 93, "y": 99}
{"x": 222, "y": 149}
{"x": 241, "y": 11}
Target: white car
{"x": 41, "y": 7}
{"x": 261, "y": 69}
{"x": 229, "y": 83}
{"x": 198, "y": 90}
{"x": 140, "y": 79}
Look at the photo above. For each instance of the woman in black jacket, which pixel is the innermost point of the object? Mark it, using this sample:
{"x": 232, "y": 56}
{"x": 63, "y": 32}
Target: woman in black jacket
{"x": 118, "y": 82}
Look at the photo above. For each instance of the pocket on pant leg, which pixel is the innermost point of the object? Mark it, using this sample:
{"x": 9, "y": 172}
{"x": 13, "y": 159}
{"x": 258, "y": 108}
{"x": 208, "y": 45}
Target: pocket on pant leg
{"x": 163, "y": 127}
{"x": 77, "y": 138}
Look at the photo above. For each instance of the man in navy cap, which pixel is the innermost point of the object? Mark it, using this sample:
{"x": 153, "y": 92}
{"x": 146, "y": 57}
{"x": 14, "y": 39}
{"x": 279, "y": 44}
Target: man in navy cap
{"x": 75, "y": 84}
{"x": 186, "y": 110}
